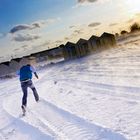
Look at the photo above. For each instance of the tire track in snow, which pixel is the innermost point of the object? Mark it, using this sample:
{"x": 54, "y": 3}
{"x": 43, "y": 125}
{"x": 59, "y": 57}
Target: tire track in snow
{"x": 71, "y": 126}
{"x": 101, "y": 74}
{"x": 28, "y": 127}
{"x": 131, "y": 93}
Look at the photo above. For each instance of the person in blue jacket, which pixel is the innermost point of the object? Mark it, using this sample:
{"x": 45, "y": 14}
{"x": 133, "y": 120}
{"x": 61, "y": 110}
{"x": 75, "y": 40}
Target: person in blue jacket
{"x": 25, "y": 76}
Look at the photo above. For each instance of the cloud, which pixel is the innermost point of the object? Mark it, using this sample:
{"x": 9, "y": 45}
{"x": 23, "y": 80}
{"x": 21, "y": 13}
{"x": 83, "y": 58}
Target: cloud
{"x": 41, "y": 46}
{"x": 66, "y": 38}
{"x": 88, "y": 2}
{"x": 45, "y": 43}
{"x": 82, "y": 1}
{"x": 23, "y": 27}
{"x": 58, "y": 41}
{"x": 130, "y": 21}
{"x": 113, "y": 24}
{"x": 96, "y": 29}
{"x": 71, "y": 27}
{"x": 92, "y": 1}
{"x": 77, "y": 31}
{"x": 2, "y": 35}
{"x": 138, "y": 14}
{"x": 35, "y": 25}
{"x": 25, "y": 37}
{"x": 94, "y": 24}
{"x": 41, "y": 23}
{"x": 17, "y": 49}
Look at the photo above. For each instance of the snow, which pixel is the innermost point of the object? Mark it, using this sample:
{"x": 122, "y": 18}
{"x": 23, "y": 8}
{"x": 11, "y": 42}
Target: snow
{"x": 92, "y": 98}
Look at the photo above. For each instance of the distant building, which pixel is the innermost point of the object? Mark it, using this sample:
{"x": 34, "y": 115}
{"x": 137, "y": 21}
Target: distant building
{"x": 56, "y": 52}
{"x": 94, "y": 43}
{"x": 107, "y": 40}
{"x": 14, "y": 64}
{"x": 82, "y": 47}
{"x": 4, "y": 69}
{"x": 48, "y": 54}
{"x": 69, "y": 51}
{"x": 40, "y": 56}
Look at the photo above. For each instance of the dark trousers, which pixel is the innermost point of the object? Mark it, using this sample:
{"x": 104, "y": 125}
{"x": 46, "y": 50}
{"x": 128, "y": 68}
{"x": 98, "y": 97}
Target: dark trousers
{"x": 24, "y": 86}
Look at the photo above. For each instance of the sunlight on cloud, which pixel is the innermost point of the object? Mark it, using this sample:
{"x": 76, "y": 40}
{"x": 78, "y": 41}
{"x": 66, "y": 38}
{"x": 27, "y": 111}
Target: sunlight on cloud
{"x": 133, "y": 6}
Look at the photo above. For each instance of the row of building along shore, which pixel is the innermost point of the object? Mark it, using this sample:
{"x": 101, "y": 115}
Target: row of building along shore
{"x": 68, "y": 51}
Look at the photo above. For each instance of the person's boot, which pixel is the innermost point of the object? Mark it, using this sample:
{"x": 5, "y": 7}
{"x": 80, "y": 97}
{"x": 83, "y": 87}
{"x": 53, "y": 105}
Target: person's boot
{"x": 23, "y": 109}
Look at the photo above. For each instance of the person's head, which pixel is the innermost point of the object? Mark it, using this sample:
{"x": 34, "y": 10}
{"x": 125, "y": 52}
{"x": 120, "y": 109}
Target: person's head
{"x": 28, "y": 65}
{"x": 24, "y": 61}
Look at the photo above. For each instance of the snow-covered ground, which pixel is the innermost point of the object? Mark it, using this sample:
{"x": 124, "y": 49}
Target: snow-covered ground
{"x": 93, "y": 98}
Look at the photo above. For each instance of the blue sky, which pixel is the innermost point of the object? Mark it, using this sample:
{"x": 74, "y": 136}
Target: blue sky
{"x": 14, "y": 12}
{"x": 27, "y": 26}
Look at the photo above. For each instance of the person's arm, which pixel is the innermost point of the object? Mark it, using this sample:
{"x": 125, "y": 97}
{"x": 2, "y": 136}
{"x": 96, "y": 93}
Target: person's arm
{"x": 36, "y": 75}
{"x": 34, "y": 71}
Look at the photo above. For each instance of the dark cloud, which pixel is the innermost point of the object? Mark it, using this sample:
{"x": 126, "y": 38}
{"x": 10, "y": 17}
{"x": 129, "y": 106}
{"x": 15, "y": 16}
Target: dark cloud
{"x": 58, "y": 42}
{"x": 16, "y": 50}
{"x": 46, "y": 43}
{"x": 24, "y": 27}
{"x": 77, "y": 31}
{"x": 94, "y": 24}
{"x": 25, "y": 37}
{"x": 66, "y": 38}
{"x": 82, "y": 1}
{"x": 37, "y": 24}
{"x": 113, "y": 24}
{"x": 72, "y": 27}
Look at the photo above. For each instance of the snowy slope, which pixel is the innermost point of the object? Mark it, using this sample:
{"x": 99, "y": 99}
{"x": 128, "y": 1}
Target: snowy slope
{"x": 93, "y": 98}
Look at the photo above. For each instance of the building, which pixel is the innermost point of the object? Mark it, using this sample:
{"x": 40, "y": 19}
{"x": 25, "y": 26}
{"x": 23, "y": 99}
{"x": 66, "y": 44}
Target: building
{"x": 4, "y": 69}
{"x": 56, "y": 52}
{"x": 107, "y": 40}
{"x": 69, "y": 51}
{"x": 14, "y": 64}
{"x": 82, "y": 47}
{"x": 94, "y": 43}
{"x": 40, "y": 56}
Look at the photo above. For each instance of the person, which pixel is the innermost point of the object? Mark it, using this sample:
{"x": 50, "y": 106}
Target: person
{"x": 25, "y": 77}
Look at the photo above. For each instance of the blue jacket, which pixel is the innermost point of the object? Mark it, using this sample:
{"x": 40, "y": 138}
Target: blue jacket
{"x": 25, "y": 72}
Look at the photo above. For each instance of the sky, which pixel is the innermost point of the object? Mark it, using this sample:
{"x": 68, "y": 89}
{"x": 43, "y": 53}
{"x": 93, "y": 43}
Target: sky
{"x": 30, "y": 26}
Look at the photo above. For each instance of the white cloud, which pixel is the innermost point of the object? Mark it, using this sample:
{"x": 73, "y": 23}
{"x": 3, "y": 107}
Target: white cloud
{"x": 2, "y": 35}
